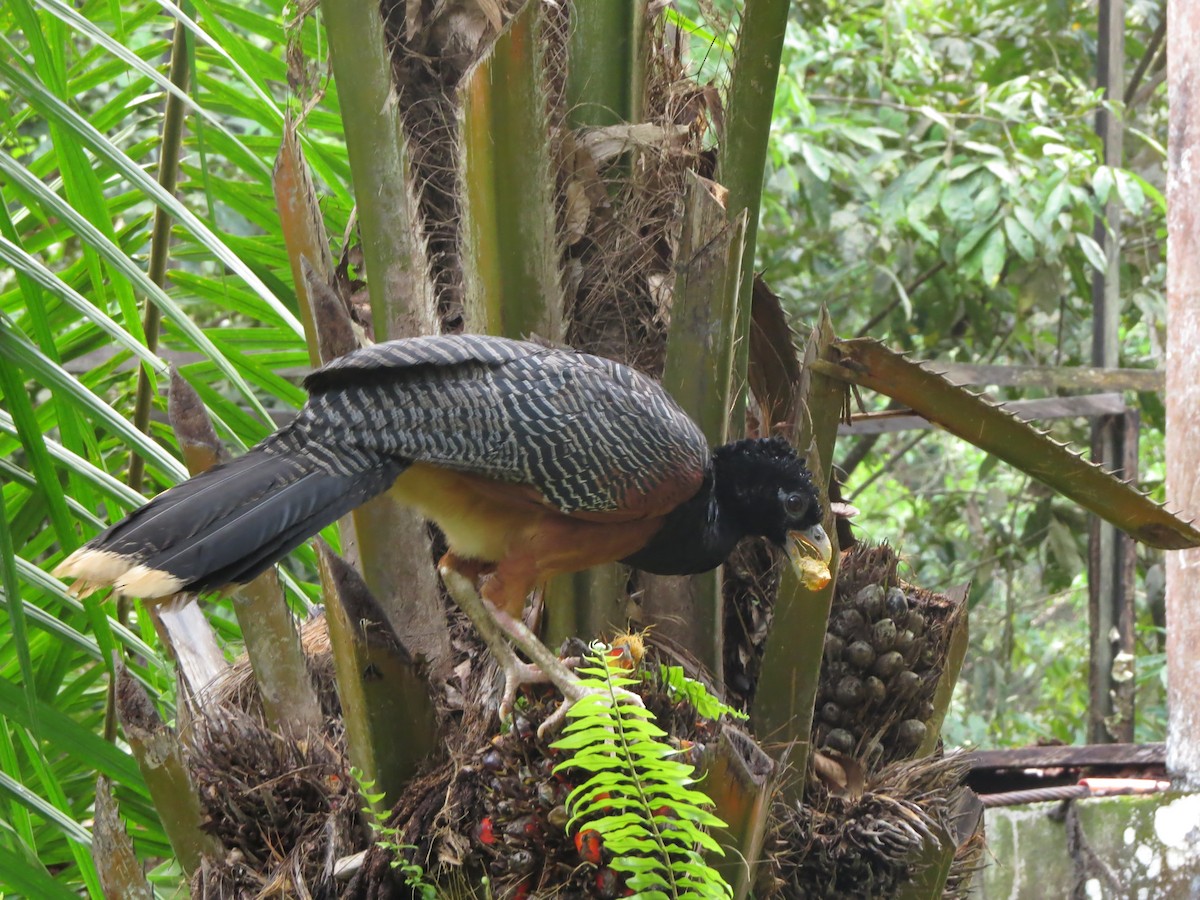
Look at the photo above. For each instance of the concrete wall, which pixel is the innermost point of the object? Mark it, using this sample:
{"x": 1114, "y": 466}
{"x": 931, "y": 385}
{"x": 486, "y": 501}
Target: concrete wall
{"x": 1150, "y": 844}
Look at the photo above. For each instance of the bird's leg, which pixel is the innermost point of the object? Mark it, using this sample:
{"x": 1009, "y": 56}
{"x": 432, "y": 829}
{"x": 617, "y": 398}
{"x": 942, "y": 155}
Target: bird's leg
{"x": 553, "y": 669}
{"x": 493, "y": 625}
{"x": 516, "y": 673}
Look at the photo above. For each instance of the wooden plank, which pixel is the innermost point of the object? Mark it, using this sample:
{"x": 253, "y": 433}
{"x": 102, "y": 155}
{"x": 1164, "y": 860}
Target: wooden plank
{"x": 1046, "y": 408}
{"x": 1054, "y": 378}
{"x": 1070, "y": 756}
{"x": 1183, "y": 383}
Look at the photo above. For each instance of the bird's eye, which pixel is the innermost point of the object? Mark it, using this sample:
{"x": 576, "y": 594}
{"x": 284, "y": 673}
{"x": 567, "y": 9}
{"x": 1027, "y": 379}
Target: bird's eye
{"x": 794, "y": 504}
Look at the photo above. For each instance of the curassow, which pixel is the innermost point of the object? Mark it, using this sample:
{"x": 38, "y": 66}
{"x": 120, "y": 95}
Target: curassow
{"x": 533, "y": 461}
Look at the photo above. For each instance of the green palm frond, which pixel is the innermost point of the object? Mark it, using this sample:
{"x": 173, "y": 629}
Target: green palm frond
{"x": 83, "y": 87}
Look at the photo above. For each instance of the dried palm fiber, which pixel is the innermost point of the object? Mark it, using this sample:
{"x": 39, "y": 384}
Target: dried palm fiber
{"x": 432, "y": 44}
{"x": 282, "y": 806}
{"x": 620, "y": 268}
{"x": 869, "y": 844}
{"x": 496, "y": 808}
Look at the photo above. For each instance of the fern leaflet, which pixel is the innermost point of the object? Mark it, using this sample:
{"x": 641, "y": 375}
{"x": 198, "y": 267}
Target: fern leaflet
{"x": 636, "y": 796}
{"x": 696, "y": 693}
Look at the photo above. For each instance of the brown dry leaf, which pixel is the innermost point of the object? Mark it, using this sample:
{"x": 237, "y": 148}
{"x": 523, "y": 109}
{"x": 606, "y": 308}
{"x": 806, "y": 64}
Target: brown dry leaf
{"x": 578, "y": 211}
{"x": 612, "y": 140}
{"x": 841, "y": 774}
{"x": 716, "y": 109}
{"x": 491, "y": 9}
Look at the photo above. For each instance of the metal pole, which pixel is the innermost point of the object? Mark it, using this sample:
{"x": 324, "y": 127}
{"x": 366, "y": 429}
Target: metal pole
{"x": 1106, "y": 545}
{"x": 1183, "y": 383}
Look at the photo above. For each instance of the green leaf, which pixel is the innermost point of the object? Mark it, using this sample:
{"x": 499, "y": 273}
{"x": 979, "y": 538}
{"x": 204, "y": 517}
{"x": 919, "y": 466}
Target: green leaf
{"x": 135, "y": 63}
{"x": 919, "y": 176}
{"x": 1160, "y": 202}
{"x": 1129, "y": 189}
{"x": 1002, "y": 171}
{"x": 1042, "y": 131}
{"x": 933, "y": 115}
{"x": 636, "y": 796}
{"x": 987, "y": 200}
{"x": 16, "y": 616}
{"x": 51, "y": 375}
{"x": 992, "y": 256}
{"x": 960, "y": 172}
{"x": 1102, "y": 183}
{"x": 1058, "y": 197}
{"x": 1092, "y": 250}
{"x": 958, "y": 199}
{"x": 966, "y": 247}
{"x": 864, "y": 137}
{"x": 30, "y": 879}
{"x": 900, "y": 191}
{"x": 1019, "y": 238}
{"x": 817, "y": 159}
{"x": 696, "y": 693}
{"x": 83, "y": 131}
{"x": 985, "y": 149}
{"x": 925, "y": 200}
{"x": 72, "y": 738}
{"x": 119, "y": 259}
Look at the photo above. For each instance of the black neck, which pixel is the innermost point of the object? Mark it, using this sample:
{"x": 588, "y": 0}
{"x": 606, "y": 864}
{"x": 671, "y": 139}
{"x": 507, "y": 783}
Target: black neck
{"x": 695, "y": 537}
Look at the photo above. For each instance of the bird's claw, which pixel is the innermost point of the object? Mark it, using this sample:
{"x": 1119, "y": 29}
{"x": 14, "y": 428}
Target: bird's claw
{"x": 579, "y": 691}
{"x": 497, "y": 627}
{"x": 518, "y": 674}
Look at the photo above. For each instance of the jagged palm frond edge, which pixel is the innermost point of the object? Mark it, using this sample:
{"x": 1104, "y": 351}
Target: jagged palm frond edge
{"x": 987, "y": 425}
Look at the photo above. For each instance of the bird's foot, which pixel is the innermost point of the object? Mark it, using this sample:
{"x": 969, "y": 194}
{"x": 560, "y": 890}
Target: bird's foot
{"x": 495, "y": 625}
{"x": 519, "y": 674}
{"x": 577, "y": 692}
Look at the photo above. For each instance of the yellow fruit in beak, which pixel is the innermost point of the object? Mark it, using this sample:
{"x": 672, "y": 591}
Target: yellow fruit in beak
{"x": 810, "y": 552}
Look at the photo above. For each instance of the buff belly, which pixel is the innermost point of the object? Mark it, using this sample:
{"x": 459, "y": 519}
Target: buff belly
{"x": 492, "y": 522}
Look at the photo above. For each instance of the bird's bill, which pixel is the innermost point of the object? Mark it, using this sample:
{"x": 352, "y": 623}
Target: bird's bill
{"x": 810, "y": 552}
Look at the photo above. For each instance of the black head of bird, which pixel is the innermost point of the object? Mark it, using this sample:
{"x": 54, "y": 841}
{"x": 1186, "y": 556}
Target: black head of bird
{"x": 766, "y": 488}
{"x": 756, "y": 487}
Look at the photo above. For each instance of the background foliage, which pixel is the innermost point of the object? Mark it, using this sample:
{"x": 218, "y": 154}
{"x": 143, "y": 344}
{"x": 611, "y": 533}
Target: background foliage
{"x": 83, "y": 90}
{"x": 934, "y": 180}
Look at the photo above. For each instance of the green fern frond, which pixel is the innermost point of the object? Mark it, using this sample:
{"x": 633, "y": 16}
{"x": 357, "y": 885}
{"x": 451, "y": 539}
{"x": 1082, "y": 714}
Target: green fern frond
{"x": 697, "y": 693}
{"x": 637, "y": 797}
{"x": 388, "y": 837}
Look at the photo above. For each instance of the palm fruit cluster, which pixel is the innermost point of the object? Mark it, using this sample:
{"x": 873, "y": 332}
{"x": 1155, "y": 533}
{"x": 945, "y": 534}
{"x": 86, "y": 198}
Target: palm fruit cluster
{"x": 876, "y": 801}
{"x": 885, "y": 651}
{"x": 520, "y": 835}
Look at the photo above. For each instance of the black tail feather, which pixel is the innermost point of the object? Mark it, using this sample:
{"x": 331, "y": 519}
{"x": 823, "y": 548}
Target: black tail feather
{"x": 232, "y": 522}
